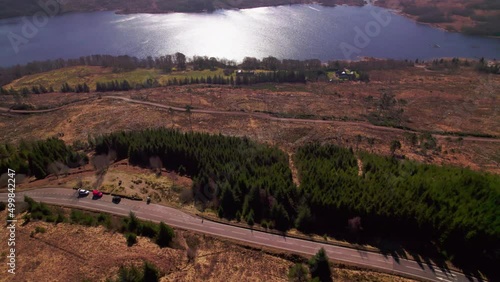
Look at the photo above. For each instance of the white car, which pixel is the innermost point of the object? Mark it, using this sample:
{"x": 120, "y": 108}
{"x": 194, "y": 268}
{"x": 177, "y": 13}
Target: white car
{"x": 82, "y": 192}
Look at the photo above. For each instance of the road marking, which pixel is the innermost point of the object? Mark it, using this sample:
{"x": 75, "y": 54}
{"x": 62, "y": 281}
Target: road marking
{"x": 258, "y": 237}
{"x": 216, "y": 228}
{"x": 442, "y": 279}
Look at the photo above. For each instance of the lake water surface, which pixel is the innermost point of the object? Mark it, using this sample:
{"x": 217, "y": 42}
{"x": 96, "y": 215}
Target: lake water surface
{"x": 295, "y": 32}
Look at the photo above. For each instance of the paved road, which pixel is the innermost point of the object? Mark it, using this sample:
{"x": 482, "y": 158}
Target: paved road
{"x": 179, "y": 219}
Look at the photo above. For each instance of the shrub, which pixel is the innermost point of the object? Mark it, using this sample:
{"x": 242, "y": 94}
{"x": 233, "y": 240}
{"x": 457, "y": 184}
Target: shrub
{"x": 131, "y": 239}
{"x": 2, "y": 206}
{"x": 76, "y": 216}
{"x": 44, "y": 209}
{"x": 150, "y": 273}
{"x": 131, "y": 273}
{"x": 102, "y": 217}
{"x": 40, "y": 229}
{"x": 298, "y": 273}
{"x": 60, "y": 218}
{"x": 88, "y": 220}
{"x": 134, "y": 224}
{"x": 50, "y": 218}
{"x": 27, "y": 218}
{"x": 149, "y": 229}
{"x": 37, "y": 215}
{"x": 30, "y": 202}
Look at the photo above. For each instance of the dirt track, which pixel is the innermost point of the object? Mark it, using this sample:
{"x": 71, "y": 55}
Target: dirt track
{"x": 252, "y": 114}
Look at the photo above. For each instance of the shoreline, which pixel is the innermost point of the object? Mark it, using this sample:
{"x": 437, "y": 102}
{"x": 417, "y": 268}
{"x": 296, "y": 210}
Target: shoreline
{"x": 395, "y": 11}
{"x": 435, "y": 25}
{"x": 155, "y": 10}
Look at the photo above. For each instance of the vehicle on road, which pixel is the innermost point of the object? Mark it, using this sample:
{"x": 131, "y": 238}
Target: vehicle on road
{"x": 83, "y": 192}
{"x": 148, "y": 200}
{"x": 117, "y": 199}
{"x": 97, "y": 194}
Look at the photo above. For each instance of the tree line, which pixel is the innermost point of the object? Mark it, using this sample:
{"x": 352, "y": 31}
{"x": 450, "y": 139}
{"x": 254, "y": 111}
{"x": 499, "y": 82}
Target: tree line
{"x": 245, "y": 79}
{"x": 40, "y": 89}
{"x": 167, "y": 63}
{"x": 125, "y": 85}
{"x": 39, "y": 158}
{"x": 180, "y": 62}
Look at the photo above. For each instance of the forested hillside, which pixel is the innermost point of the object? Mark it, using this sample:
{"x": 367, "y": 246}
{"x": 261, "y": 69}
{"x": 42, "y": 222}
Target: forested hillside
{"x": 235, "y": 176}
{"x": 455, "y": 208}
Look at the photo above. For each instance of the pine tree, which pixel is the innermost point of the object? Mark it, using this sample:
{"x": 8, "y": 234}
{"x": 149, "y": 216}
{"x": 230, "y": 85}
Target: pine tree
{"x": 150, "y": 273}
{"x": 319, "y": 266}
{"x": 165, "y": 235}
{"x": 298, "y": 273}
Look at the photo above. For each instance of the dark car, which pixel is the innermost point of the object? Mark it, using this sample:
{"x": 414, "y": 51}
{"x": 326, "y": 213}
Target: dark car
{"x": 117, "y": 199}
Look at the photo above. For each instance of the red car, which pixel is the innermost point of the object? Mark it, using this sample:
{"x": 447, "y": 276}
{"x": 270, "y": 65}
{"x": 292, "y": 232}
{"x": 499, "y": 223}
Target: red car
{"x": 97, "y": 193}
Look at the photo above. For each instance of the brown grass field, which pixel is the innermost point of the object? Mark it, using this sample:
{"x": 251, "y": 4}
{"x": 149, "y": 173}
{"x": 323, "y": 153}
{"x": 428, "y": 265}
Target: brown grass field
{"x": 432, "y": 101}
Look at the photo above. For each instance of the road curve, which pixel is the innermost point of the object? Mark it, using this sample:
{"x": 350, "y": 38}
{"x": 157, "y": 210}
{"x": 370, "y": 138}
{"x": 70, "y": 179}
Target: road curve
{"x": 179, "y": 219}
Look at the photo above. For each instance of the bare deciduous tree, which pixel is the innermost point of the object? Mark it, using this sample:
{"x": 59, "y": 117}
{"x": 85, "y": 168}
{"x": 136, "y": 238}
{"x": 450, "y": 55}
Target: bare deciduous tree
{"x": 57, "y": 168}
{"x": 156, "y": 164}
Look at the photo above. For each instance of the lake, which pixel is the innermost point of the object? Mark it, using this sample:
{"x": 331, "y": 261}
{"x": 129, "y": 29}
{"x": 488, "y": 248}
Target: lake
{"x": 294, "y": 32}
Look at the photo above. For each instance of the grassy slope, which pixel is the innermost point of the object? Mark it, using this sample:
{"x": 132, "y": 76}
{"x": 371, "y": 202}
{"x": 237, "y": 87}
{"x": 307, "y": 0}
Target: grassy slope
{"x": 91, "y": 75}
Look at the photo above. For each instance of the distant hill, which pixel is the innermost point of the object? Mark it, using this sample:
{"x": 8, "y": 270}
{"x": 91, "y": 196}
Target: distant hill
{"x": 17, "y": 8}
{"x": 475, "y": 17}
